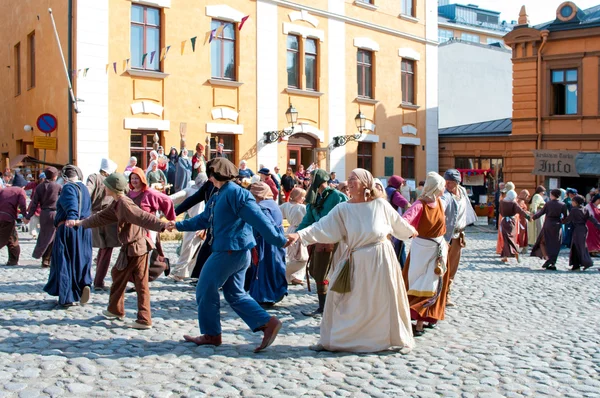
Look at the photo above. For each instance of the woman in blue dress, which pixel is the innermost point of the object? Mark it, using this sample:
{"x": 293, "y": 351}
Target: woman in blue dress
{"x": 71, "y": 262}
{"x": 265, "y": 278}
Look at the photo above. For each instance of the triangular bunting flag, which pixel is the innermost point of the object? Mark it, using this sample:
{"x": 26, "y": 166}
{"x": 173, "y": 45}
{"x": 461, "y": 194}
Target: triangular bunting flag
{"x": 166, "y": 52}
{"x": 124, "y": 65}
{"x": 85, "y": 71}
{"x": 115, "y": 66}
{"x": 212, "y": 35}
{"x": 183, "y": 46}
{"x": 144, "y": 59}
{"x": 241, "y": 25}
{"x": 207, "y": 36}
{"x": 107, "y": 65}
{"x": 219, "y": 31}
{"x": 193, "y": 40}
{"x": 152, "y": 56}
{"x": 78, "y": 72}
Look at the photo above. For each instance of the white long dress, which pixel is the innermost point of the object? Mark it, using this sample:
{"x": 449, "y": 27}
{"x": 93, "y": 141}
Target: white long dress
{"x": 375, "y": 314}
{"x": 189, "y": 246}
{"x": 297, "y": 254}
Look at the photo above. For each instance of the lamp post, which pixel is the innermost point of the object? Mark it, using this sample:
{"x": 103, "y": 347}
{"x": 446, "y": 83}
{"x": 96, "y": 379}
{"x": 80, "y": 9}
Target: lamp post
{"x": 360, "y": 120}
{"x": 291, "y": 115}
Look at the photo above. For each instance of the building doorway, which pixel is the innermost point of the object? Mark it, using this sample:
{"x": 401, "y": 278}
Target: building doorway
{"x": 582, "y": 184}
{"x": 300, "y": 151}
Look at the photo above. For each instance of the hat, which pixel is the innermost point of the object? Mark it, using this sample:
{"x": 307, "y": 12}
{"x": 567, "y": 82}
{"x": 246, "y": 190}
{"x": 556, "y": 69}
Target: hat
{"x": 264, "y": 171}
{"x": 261, "y": 191}
{"x": 452, "y": 175}
{"x": 572, "y": 191}
{"x": 42, "y": 175}
{"x": 141, "y": 175}
{"x": 221, "y": 169}
{"x": 395, "y": 181}
{"x": 255, "y": 178}
{"x": 116, "y": 182}
{"x": 71, "y": 171}
{"x": 108, "y": 166}
{"x": 50, "y": 172}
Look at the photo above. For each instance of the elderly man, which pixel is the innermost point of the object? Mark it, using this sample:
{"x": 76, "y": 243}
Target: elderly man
{"x": 459, "y": 214}
{"x": 13, "y": 200}
{"x": 265, "y": 176}
{"x": 45, "y": 196}
{"x": 104, "y": 238}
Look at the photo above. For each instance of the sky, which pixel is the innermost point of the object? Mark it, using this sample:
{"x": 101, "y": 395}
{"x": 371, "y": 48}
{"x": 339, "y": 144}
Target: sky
{"x": 539, "y": 11}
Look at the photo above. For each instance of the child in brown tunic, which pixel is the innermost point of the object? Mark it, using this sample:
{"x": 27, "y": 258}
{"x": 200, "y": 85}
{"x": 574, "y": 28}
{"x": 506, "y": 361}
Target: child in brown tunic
{"x": 579, "y": 255}
{"x": 132, "y": 223}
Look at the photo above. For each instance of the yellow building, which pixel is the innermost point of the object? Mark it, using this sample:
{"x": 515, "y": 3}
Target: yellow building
{"x": 226, "y": 71}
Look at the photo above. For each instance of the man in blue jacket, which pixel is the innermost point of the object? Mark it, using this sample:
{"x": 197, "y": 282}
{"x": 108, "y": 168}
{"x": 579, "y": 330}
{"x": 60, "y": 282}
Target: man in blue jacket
{"x": 229, "y": 217}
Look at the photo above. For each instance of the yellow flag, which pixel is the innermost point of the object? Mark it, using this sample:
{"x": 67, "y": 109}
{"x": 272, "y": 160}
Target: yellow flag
{"x": 107, "y": 65}
{"x": 219, "y": 32}
{"x": 183, "y": 46}
{"x": 124, "y": 64}
{"x": 162, "y": 53}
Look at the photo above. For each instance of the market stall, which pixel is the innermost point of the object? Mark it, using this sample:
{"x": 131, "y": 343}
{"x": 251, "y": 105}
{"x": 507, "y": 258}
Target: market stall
{"x": 480, "y": 185}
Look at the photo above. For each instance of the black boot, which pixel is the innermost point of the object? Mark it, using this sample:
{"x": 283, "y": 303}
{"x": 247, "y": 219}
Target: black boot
{"x": 318, "y": 311}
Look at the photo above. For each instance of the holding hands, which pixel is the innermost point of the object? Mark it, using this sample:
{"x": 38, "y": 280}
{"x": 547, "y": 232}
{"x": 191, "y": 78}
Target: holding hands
{"x": 170, "y": 226}
{"x": 291, "y": 239}
{"x": 72, "y": 223}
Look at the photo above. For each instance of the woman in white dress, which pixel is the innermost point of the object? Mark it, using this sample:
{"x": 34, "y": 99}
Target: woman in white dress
{"x": 374, "y": 314}
{"x": 191, "y": 240}
{"x": 297, "y": 254}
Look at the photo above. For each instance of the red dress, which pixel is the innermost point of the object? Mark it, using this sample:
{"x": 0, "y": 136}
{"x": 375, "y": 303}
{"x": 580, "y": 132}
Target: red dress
{"x": 593, "y": 237}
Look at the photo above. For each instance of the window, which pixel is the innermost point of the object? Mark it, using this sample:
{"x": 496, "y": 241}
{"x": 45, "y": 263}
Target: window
{"x": 293, "y": 64}
{"x": 310, "y": 64}
{"x": 222, "y": 51}
{"x": 564, "y": 92}
{"x": 365, "y": 156}
{"x": 444, "y": 35}
{"x": 365, "y": 73}
{"x": 17, "y": 65}
{"x": 470, "y": 37}
{"x": 493, "y": 40}
{"x": 31, "y": 60}
{"x": 141, "y": 144}
{"x": 228, "y": 141}
{"x": 408, "y": 161}
{"x": 487, "y": 19}
{"x": 145, "y": 37}
{"x": 408, "y": 81}
{"x": 408, "y": 7}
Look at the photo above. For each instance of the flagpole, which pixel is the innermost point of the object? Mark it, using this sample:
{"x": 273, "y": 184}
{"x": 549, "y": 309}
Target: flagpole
{"x": 64, "y": 62}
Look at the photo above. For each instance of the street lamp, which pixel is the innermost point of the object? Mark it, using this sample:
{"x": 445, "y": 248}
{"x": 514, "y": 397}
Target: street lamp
{"x": 360, "y": 120}
{"x": 291, "y": 115}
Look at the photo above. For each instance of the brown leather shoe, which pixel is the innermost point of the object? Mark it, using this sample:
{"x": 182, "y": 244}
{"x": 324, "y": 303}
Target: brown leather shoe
{"x": 270, "y": 330}
{"x": 204, "y": 339}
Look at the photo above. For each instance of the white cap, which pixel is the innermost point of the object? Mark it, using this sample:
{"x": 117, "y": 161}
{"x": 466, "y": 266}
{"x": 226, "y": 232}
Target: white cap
{"x": 108, "y": 166}
{"x": 255, "y": 179}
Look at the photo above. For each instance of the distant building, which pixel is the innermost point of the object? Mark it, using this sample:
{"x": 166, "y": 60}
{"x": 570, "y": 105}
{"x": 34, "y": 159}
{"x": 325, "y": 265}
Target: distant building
{"x": 475, "y": 83}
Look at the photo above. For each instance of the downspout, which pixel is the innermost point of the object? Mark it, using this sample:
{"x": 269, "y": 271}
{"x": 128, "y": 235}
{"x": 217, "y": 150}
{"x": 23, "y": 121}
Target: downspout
{"x": 538, "y": 144}
{"x": 70, "y": 63}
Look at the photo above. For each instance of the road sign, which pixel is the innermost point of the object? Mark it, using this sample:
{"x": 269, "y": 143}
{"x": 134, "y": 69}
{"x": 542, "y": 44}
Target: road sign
{"x": 47, "y": 123}
{"x": 45, "y": 143}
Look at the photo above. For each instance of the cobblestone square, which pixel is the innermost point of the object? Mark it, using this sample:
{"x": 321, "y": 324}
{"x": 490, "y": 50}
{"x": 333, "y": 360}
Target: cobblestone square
{"x": 517, "y": 330}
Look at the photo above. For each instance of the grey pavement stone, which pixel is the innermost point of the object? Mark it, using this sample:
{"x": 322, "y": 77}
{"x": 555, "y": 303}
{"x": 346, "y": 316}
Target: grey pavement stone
{"x": 516, "y": 331}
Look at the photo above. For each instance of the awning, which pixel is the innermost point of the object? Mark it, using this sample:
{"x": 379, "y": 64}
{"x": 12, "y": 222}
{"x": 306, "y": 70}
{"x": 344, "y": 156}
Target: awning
{"x": 20, "y": 159}
{"x": 588, "y": 163}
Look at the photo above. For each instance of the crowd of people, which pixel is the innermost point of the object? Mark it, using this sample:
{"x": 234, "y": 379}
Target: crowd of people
{"x": 253, "y": 235}
{"x": 548, "y": 222}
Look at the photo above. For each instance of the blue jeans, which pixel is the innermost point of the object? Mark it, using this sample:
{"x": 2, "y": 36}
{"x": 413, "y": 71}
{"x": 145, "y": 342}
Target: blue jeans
{"x": 227, "y": 269}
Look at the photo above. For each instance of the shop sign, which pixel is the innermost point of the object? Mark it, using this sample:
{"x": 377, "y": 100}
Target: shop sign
{"x": 44, "y": 143}
{"x": 555, "y": 163}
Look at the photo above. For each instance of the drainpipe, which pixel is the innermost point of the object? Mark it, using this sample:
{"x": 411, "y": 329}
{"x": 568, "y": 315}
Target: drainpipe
{"x": 70, "y": 63}
{"x": 538, "y": 144}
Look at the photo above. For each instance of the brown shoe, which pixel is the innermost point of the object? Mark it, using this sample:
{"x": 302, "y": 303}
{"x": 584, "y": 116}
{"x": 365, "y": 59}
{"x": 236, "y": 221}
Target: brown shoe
{"x": 205, "y": 339}
{"x": 270, "y": 330}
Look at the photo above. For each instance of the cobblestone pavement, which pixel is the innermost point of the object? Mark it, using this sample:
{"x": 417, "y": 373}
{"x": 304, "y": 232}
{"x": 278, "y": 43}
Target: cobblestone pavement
{"x": 516, "y": 331}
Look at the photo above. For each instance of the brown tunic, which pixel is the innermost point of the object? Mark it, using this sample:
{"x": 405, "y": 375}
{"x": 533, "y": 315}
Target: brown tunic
{"x": 432, "y": 224}
{"x": 45, "y": 195}
{"x": 549, "y": 241}
{"x": 580, "y": 256}
{"x": 105, "y": 236}
{"x": 508, "y": 226}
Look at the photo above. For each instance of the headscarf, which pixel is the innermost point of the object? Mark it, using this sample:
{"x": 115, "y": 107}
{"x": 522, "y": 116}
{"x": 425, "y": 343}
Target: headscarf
{"x": 255, "y": 178}
{"x": 140, "y": 173}
{"x": 367, "y": 180}
{"x": 200, "y": 179}
{"x": 261, "y": 191}
{"x": 434, "y": 185}
{"x": 183, "y": 153}
{"x": 108, "y": 166}
{"x": 152, "y": 163}
{"x": 319, "y": 177}
{"x": 71, "y": 171}
{"x": 453, "y": 175}
{"x": 153, "y": 154}
{"x": 378, "y": 185}
{"x": 563, "y": 194}
{"x": 395, "y": 182}
{"x": 199, "y": 147}
{"x": 509, "y": 186}
{"x": 523, "y": 195}
{"x": 172, "y": 157}
{"x": 510, "y": 196}
{"x": 296, "y": 194}
{"x": 222, "y": 169}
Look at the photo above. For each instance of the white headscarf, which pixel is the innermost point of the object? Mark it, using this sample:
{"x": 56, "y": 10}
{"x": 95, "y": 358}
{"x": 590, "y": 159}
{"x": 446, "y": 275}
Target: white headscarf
{"x": 510, "y": 196}
{"x": 108, "y": 166}
{"x": 434, "y": 185}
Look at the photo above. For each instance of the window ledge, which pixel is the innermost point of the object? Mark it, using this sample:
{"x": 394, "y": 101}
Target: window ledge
{"x": 409, "y": 106}
{"x": 368, "y": 6}
{"x": 223, "y": 82}
{"x": 147, "y": 73}
{"x": 306, "y": 93}
{"x": 363, "y": 100}
{"x": 408, "y": 18}
{"x": 563, "y": 117}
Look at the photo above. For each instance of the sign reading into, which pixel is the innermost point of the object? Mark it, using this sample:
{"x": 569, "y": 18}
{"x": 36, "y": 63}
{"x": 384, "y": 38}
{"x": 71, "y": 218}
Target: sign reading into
{"x": 47, "y": 123}
{"x": 555, "y": 163}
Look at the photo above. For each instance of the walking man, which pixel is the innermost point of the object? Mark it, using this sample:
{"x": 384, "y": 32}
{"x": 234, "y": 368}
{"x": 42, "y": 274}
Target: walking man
{"x": 13, "y": 200}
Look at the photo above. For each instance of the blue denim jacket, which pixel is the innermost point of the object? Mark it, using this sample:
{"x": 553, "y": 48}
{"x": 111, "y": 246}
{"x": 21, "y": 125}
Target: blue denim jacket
{"x": 235, "y": 213}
